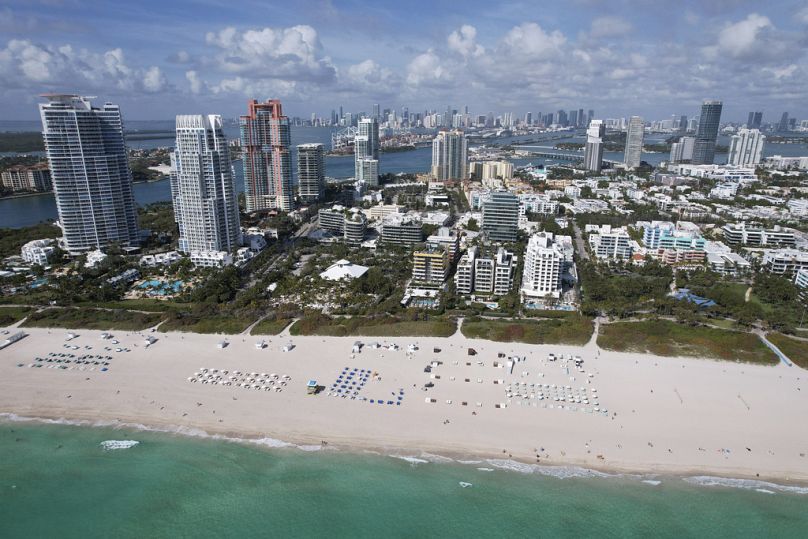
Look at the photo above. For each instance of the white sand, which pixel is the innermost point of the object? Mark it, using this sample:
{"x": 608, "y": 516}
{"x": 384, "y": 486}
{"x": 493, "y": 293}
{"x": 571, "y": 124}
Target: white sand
{"x": 723, "y": 406}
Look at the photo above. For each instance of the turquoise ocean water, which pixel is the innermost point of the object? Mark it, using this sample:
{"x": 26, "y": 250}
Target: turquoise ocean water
{"x": 57, "y": 481}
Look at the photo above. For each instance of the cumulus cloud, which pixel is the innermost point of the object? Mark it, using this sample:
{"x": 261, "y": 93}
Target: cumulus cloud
{"x": 530, "y": 39}
{"x": 370, "y": 77}
{"x": 427, "y": 69}
{"x": 40, "y": 67}
{"x": 463, "y": 42}
{"x": 740, "y": 38}
{"x": 195, "y": 83}
{"x": 292, "y": 54}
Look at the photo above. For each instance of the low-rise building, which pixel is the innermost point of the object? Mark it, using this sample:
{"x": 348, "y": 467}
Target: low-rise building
{"x": 728, "y": 263}
{"x": 536, "y": 204}
{"x": 354, "y": 228}
{"x": 160, "y": 259}
{"x": 744, "y": 234}
{"x": 94, "y": 258}
{"x": 590, "y": 205}
{"x": 801, "y": 278}
{"x": 127, "y": 277}
{"x": 211, "y": 259}
{"x": 785, "y": 261}
{"x": 343, "y": 269}
{"x": 38, "y": 251}
{"x": 253, "y": 240}
{"x": 380, "y": 211}
{"x": 351, "y": 225}
{"x": 402, "y": 229}
{"x": 611, "y": 243}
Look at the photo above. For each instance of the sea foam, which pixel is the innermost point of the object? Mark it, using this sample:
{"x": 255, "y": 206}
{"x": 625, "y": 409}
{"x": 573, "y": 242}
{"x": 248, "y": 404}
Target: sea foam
{"x": 559, "y": 472}
{"x": 110, "y": 445}
{"x": 748, "y": 484}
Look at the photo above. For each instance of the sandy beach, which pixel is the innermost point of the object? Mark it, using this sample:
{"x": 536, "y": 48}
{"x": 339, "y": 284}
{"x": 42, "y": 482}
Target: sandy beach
{"x": 662, "y": 415}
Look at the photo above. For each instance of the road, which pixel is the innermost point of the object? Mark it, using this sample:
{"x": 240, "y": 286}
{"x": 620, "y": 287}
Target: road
{"x": 580, "y": 246}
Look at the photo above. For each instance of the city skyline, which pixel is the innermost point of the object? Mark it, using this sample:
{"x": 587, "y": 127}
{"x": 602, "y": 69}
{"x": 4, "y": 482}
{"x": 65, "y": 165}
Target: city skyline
{"x": 619, "y": 60}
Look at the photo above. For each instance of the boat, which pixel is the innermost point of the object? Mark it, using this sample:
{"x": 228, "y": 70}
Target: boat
{"x": 464, "y": 484}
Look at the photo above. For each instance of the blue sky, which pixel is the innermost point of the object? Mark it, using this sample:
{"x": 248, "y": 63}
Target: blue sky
{"x": 621, "y": 57}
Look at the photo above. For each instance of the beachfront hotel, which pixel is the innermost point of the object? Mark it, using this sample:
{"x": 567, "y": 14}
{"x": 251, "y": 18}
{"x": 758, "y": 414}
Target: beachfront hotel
{"x": 202, "y": 186}
{"x": 90, "y": 172}
{"x": 544, "y": 260}
{"x": 265, "y": 140}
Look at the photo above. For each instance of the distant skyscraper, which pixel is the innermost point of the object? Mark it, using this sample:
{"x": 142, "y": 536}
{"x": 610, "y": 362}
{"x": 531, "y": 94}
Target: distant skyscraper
{"x": 633, "y": 152}
{"x": 683, "y": 124}
{"x": 707, "y": 133}
{"x": 366, "y": 147}
{"x": 746, "y": 147}
{"x": 573, "y": 118}
{"x": 593, "y": 151}
{"x": 311, "y": 172}
{"x": 757, "y": 121}
{"x": 683, "y": 150}
{"x": 265, "y": 140}
{"x": 202, "y": 186}
{"x": 450, "y": 156}
{"x": 376, "y": 111}
{"x": 783, "y": 125}
{"x": 581, "y": 118}
{"x": 529, "y": 118}
{"x": 90, "y": 172}
{"x": 590, "y": 117}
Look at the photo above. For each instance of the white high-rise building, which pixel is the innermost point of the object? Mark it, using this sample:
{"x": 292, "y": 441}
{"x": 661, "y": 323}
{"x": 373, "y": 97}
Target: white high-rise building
{"x": 634, "y": 137}
{"x": 544, "y": 259}
{"x": 202, "y": 186}
{"x": 311, "y": 172}
{"x": 682, "y": 150}
{"x": 367, "y": 170}
{"x": 366, "y": 147}
{"x": 746, "y": 147}
{"x": 450, "y": 156}
{"x": 90, "y": 172}
{"x": 593, "y": 153}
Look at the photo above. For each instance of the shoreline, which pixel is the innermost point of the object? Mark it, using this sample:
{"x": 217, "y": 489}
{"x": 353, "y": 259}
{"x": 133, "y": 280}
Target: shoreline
{"x": 670, "y": 416}
{"x": 735, "y": 478}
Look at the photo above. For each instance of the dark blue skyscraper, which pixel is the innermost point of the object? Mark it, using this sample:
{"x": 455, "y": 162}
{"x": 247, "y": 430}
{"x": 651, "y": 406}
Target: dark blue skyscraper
{"x": 707, "y": 133}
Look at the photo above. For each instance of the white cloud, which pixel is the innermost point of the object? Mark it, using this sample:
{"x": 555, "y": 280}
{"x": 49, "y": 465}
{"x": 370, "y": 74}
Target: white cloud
{"x": 742, "y": 37}
{"x": 529, "y": 39}
{"x": 196, "y": 84}
{"x": 463, "y": 42}
{"x": 39, "y": 67}
{"x": 154, "y": 80}
{"x": 427, "y": 68}
{"x": 293, "y": 53}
